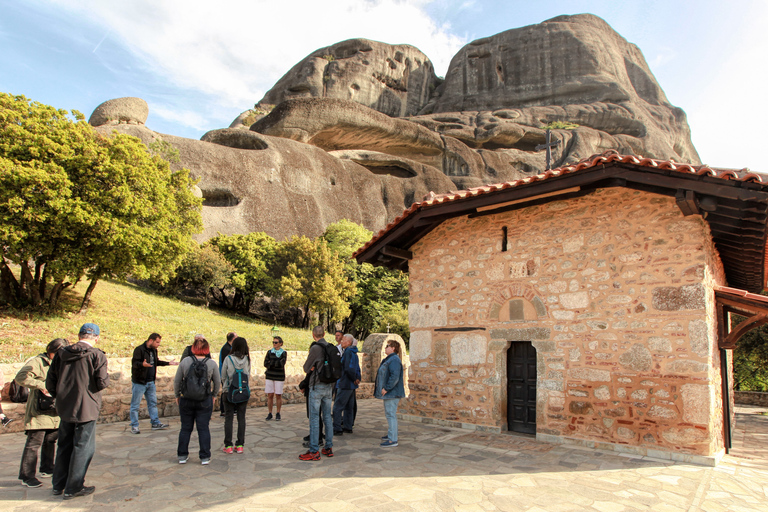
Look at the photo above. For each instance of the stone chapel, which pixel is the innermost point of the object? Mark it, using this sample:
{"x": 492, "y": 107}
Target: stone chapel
{"x": 588, "y": 304}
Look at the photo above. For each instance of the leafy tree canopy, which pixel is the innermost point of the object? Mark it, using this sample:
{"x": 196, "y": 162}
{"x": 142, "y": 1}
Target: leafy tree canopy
{"x": 252, "y": 257}
{"x": 345, "y": 237}
{"x": 74, "y": 203}
{"x": 313, "y": 278}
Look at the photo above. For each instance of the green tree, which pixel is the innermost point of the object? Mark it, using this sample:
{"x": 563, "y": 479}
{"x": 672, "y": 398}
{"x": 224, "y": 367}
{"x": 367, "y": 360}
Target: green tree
{"x": 203, "y": 270}
{"x": 750, "y": 358}
{"x": 381, "y": 294}
{"x": 312, "y": 278}
{"x": 252, "y": 256}
{"x": 76, "y": 204}
{"x": 345, "y": 237}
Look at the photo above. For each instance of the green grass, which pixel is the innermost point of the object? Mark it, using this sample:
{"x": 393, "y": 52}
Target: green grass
{"x": 126, "y": 315}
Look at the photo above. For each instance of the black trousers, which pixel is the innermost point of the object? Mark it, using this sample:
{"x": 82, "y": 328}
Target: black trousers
{"x": 229, "y": 412}
{"x": 76, "y": 446}
{"x": 36, "y": 439}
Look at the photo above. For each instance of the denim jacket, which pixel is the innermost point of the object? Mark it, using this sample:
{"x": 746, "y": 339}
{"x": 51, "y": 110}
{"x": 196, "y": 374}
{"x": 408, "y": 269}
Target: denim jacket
{"x": 350, "y": 369}
{"x": 390, "y": 377}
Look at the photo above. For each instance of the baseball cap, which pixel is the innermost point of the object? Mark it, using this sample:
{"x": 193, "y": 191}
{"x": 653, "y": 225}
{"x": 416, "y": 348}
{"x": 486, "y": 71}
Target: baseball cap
{"x": 89, "y": 328}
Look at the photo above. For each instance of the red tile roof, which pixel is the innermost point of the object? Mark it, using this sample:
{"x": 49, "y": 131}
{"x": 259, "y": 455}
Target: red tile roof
{"x": 610, "y": 156}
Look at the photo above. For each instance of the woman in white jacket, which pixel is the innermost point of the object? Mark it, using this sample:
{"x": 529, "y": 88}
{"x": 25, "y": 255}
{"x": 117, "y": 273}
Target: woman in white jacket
{"x": 237, "y": 360}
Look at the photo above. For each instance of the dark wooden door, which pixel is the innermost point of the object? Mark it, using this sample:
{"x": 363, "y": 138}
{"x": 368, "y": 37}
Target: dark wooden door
{"x": 521, "y": 387}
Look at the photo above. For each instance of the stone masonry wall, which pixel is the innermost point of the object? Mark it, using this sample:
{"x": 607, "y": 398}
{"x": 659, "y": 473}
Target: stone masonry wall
{"x": 614, "y": 289}
{"x": 116, "y": 399}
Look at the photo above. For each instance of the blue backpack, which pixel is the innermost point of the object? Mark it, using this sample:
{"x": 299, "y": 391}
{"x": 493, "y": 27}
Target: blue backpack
{"x": 238, "y": 391}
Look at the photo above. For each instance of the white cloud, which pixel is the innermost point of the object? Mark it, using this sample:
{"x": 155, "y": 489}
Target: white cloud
{"x": 236, "y": 50}
{"x": 184, "y": 118}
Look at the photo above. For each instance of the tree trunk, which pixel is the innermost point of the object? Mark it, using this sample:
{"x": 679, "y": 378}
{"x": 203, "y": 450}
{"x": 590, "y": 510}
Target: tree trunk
{"x": 305, "y": 323}
{"x": 28, "y": 283}
{"x": 56, "y": 293}
{"x": 9, "y": 286}
{"x": 87, "y": 296}
{"x": 40, "y": 277}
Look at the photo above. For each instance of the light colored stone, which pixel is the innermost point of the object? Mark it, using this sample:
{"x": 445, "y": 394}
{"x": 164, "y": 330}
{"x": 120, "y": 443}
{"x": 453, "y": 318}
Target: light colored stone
{"x": 576, "y": 300}
{"x": 697, "y": 403}
{"x": 420, "y": 345}
{"x": 432, "y": 314}
{"x": 589, "y": 375}
{"x": 637, "y": 358}
{"x": 468, "y": 349}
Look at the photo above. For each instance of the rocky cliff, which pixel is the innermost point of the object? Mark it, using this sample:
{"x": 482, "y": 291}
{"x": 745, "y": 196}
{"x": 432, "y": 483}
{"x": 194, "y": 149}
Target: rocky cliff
{"x": 361, "y": 129}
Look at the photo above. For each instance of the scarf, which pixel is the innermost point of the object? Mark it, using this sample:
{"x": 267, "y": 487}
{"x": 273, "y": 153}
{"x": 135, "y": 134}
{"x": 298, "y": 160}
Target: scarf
{"x": 278, "y": 352}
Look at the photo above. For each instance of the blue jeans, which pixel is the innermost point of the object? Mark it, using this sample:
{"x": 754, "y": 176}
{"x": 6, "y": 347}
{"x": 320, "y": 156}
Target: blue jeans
{"x": 148, "y": 391}
{"x": 320, "y": 395}
{"x": 343, "y": 409}
{"x": 390, "y": 411}
{"x": 191, "y": 413}
{"x": 77, "y": 443}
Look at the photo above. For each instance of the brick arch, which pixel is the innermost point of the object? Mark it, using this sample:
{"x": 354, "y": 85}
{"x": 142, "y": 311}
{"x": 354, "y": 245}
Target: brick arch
{"x": 517, "y": 302}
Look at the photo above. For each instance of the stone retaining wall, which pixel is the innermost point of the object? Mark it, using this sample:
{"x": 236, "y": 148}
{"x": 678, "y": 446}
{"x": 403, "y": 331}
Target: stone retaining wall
{"x": 751, "y": 398}
{"x": 116, "y": 399}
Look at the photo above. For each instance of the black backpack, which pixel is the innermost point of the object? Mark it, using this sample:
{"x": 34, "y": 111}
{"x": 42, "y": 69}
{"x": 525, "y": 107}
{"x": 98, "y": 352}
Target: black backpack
{"x": 196, "y": 385}
{"x": 331, "y": 370}
{"x": 18, "y": 394}
{"x": 239, "y": 391}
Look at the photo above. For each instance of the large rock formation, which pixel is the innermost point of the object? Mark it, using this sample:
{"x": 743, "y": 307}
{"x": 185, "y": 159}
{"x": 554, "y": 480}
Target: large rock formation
{"x": 361, "y": 129}
{"x": 396, "y": 80}
{"x": 573, "y": 69}
{"x": 252, "y": 182}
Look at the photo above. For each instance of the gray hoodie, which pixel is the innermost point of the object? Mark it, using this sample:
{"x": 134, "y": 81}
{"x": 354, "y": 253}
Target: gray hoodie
{"x": 232, "y": 363}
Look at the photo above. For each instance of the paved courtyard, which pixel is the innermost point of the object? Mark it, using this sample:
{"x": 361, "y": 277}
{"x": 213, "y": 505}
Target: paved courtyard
{"x": 434, "y": 468}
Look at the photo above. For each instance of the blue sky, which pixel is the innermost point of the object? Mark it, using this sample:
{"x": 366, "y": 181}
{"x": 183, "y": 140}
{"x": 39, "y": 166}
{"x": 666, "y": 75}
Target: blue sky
{"x": 199, "y": 64}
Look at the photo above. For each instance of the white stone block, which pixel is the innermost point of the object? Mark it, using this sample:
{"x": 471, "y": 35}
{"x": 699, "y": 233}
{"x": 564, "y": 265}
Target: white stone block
{"x": 432, "y": 314}
{"x": 468, "y": 349}
{"x": 574, "y": 300}
{"x": 420, "y": 345}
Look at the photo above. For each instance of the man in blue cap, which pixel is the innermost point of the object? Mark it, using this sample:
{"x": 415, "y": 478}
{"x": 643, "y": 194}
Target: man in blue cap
{"x": 75, "y": 379}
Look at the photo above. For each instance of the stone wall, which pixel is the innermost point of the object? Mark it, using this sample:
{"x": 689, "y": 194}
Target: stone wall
{"x": 751, "y": 398}
{"x": 116, "y": 399}
{"x": 614, "y": 289}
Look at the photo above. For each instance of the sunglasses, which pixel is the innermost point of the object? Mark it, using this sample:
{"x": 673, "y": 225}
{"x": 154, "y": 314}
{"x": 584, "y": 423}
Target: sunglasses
{"x": 275, "y": 342}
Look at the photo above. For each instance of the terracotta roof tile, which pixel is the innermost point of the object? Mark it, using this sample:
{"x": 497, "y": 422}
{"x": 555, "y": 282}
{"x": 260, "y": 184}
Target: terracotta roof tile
{"x": 610, "y": 156}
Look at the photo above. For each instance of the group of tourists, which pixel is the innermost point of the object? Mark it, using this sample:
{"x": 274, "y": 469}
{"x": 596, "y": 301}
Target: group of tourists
{"x": 65, "y": 384}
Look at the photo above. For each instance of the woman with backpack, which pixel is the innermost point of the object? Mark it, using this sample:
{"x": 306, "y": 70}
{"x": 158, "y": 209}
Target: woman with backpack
{"x": 234, "y": 378}
{"x": 274, "y": 362}
{"x": 390, "y": 388}
{"x": 197, "y": 381}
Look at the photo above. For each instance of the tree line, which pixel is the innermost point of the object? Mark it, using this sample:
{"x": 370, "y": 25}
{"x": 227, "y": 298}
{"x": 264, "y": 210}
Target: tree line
{"x": 312, "y": 277}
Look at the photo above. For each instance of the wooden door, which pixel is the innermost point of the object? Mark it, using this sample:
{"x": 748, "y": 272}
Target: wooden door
{"x": 521, "y": 387}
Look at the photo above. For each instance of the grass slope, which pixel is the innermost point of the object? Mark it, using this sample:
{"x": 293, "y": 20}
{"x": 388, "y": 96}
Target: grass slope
{"x": 126, "y": 315}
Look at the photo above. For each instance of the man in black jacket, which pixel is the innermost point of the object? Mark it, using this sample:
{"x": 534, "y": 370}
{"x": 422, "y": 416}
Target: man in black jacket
{"x": 143, "y": 372}
{"x": 75, "y": 379}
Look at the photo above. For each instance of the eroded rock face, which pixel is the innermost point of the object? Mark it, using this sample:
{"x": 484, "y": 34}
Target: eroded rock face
{"x": 120, "y": 111}
{"x": 396, "y": 80}
{"x": 252, "y": 182}
{"x": 575, "y": 69}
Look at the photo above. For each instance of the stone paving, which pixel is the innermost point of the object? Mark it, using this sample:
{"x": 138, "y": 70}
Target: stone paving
{"x": 434, "y": 468}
